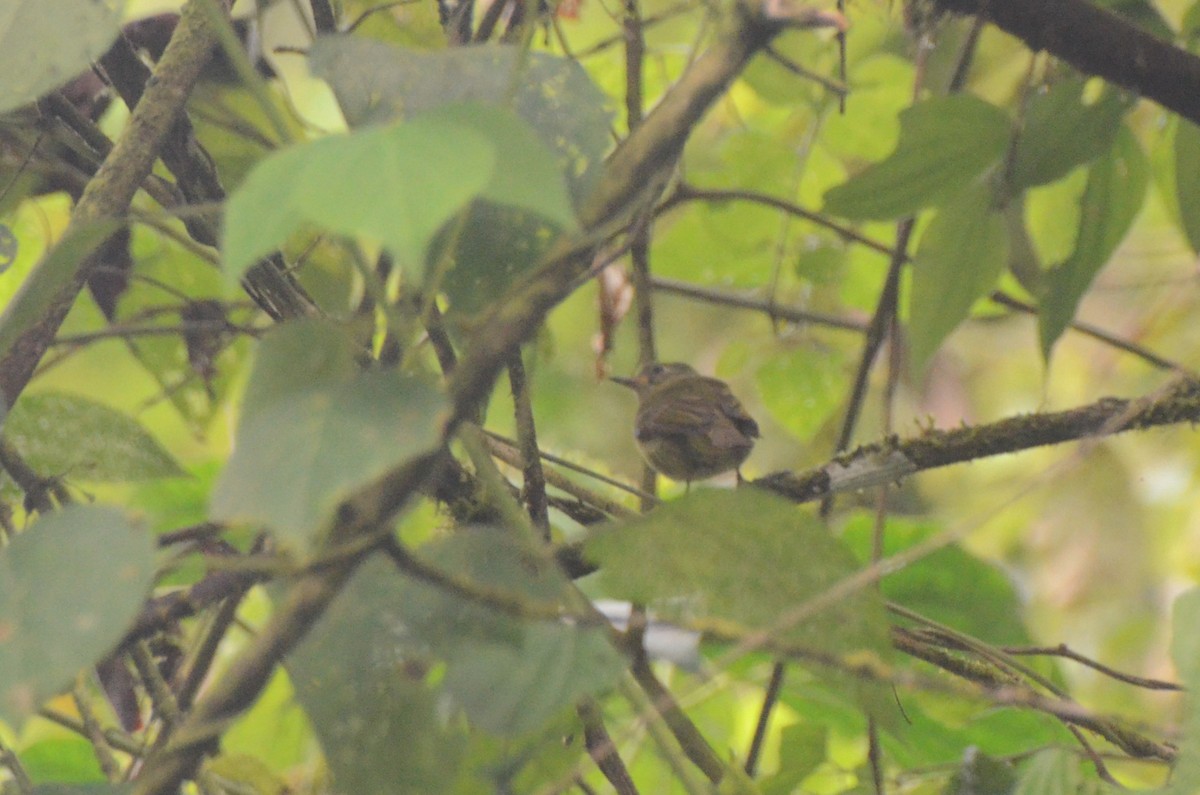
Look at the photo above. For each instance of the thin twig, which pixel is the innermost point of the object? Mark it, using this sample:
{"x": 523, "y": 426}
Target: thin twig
{"x": 837, "y": 87}
{"x": 95, "y": 733}
{"x": 772, "y": 309}
{"x": 770, "y": 697}
{"x": 1094, "y": 757}
{"x": 1004, "y": 299}
{"x": 206, "y": 651}
{"x": 602, "y": 749}
{"x": 114, "y": 737}
{"x": 688, "y": 736}
{"x": 21, "y": 779}
{"x": 605, "y": 505}
{"x": 1062, "y": 650}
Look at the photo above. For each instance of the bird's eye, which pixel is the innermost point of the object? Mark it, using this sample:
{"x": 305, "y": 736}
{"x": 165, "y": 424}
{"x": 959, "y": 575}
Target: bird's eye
{"x": 657, "y": 370}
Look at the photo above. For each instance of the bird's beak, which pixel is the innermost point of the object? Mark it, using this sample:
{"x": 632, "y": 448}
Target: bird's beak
{"x": 629, "y": 382}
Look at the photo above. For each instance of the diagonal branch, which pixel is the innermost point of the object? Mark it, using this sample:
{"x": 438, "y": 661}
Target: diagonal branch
{"x": 107, "y": 196}
{"x": 1099, "y": 42}
{"x": 888, "y": 461}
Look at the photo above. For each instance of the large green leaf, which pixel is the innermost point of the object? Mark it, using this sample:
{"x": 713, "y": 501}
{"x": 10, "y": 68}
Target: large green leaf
{"x": 945, "y": 145}
{"x": 398, "y": 183}
{"x": 510, "y": 676}
{"x": 950, "y": 586}
{"x": 69, "y": 435}
{"x": 45, "y": 43}
{"x": 375, "y": 81}
{"x": 303, "y": 447}
{"x": 1061, "y": 132}
{"x": 376, "y": 718}
{"x": 525, "y": 175}
{"x": 747, "y": 557}
{"x": 515, "y": 221}
{"x": 69, "y": 587}
{"x": 802, "y": 387}
{"x": 1187, "y": 179}
{"x": 1115, "y": 192}
{"x": 961, "y": 255}
{"x": 492, "y": 248}
{"x": 63, "y": 760}
{"x": 393, "y": 184}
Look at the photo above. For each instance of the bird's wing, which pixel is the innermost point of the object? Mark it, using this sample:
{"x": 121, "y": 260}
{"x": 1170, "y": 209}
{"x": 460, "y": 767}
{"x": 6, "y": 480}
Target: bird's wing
{"x": 731, "y": 407}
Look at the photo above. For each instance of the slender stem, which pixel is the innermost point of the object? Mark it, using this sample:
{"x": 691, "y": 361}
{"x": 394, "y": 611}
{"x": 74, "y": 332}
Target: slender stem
{"x": 95, "y": 733}
{"x": 770, "y": 698}
{"x": 602, "y": 749}
{"x": 9, "y": 760}
{"x": 689, "y": 737}
{"x": 533, "y": 489}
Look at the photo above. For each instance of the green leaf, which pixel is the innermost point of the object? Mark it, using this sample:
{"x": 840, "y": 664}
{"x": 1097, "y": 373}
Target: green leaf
{"x": 525, "y": 175}
{"x": 45, "y": 43}
{"x": 511, "y": 689}
{"x": 980, "y": 774}
{"x": 298, "y": 356}
{"x": 935, "y": 585}
{"x": 1050, "y": 772}
{"x": 495, "y": 245}
{"x": 510, "y": 676}
{"x": 1115, "y": 192}
{"x": 1062, "y": 132}
{"x": 375, "y": 81}
{"x": 1187, "y": 185}
{"x": 746, "y": 557}
{"x": 68, "y": 435}
{"x": 392, "y": 184}
{"x": 69, "y": 587}
{"x": 802, "y": 387}
{"x": 961, "y": 255}
{"x": 62, "y": 760}
{"x": 801, "y": 751}
{"x": 303, "y": 448}
{"x": 375, "y": 717}
{"x": 945, "y": 144}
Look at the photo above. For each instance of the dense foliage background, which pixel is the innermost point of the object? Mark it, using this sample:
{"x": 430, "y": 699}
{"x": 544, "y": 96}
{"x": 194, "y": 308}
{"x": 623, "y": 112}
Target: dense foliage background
{"x": 312, "y": 481}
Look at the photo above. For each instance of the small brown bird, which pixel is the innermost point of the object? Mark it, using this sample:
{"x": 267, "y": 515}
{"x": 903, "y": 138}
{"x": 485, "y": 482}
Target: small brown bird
{"x": 689, "y": 426}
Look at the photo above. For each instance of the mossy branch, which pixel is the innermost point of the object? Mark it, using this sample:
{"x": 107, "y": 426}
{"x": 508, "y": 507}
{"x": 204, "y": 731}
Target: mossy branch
{"x": 106, "y": 197}
{"x": 893, "y": 459}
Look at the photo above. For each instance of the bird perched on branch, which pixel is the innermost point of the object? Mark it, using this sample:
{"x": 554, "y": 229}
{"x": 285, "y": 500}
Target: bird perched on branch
{"x": 689, "y": 426}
